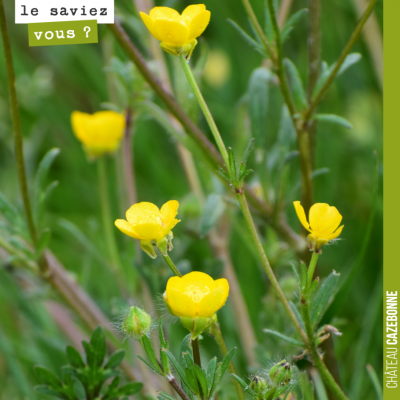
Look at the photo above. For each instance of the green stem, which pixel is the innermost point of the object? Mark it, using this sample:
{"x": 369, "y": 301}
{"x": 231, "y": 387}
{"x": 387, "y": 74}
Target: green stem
{"x": 196, "y": 352}
{"x": 171, "y": 264}
{"x": 353, "y": 38}
{"x": 216, "y": 332}
{"x": 267, "y": 267}
{"x": 311, "y": 268}
{"x": 18, "y": 141}
{"x": 204, "y": 108}
{"x": 313, "y": 349}
{"x": 106, "y": 215}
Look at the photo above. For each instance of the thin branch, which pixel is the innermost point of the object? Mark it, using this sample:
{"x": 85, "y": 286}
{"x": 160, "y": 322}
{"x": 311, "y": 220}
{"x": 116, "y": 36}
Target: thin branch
{"x": 353, "y": 38}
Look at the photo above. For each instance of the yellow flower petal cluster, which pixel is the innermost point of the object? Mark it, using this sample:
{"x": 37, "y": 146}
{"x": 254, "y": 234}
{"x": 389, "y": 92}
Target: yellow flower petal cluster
{"x": 323, "y": 224}
{"x": 100, "y": 133}
{"x": 177, "y": 32}
{"x": 152, "y": 226}
{"x": 195, "y": 295}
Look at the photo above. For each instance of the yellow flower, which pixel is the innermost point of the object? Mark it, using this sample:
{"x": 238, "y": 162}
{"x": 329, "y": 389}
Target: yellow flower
{"x": 177, "y": 32}
{"x": 152, "y": 226}
{"x": 196, "y": 295}
{"x": 323, "y": 226}
{"x": 100, "y": 132}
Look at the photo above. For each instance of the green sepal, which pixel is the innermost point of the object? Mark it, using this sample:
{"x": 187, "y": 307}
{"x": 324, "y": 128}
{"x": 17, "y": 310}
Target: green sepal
{"x": 196, "y": 325}
{"x": 148, "y": 248}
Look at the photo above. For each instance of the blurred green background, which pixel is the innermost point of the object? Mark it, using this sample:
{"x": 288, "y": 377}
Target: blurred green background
{"x": 54, "y": 81}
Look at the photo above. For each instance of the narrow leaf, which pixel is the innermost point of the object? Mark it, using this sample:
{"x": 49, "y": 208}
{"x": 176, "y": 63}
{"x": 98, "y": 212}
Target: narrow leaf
{"x": 291, "y": 22}
{"x": 98, "y": 342}
{"x": 194, "y": 386}
{"x": 303, "y": 276}
{"x": 335, "y": 119}
{"x": 130, "y": 389}
{"x": 74, "y": 357}
{"x": 284, "y": 337}
{"x": 45, "y": 376}
{"x": 296, "y": 84}
{"x": 165, "y": 396}
{"x": 115, "y": 359}
{"x": 212, "y": 365}
{"x": 297, "y": 314}
{"x": 163, "y": 345}
{"x": 177, "y": 367}
{"x": 213, "y": 209}
{"x": 226, "y": 361}
{"x": 224, "y": 175}
{"x": 232, "y": 163}
{"x": 248, "y": 151}
{"x": 149, "y": 365}
{"x": 202, "y": 380}
{"x": 321, "y": 299}
{"x": 148, "y": 348}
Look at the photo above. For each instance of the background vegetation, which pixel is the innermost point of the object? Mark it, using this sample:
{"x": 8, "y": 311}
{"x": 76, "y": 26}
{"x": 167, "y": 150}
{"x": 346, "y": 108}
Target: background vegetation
{"x": 36, "y": 324}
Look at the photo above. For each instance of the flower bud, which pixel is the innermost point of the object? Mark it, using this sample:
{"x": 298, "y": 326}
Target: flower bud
{"x": 281, "y": 373}
{"x": 258, "y": 385}
{"x": 137, "y": 323}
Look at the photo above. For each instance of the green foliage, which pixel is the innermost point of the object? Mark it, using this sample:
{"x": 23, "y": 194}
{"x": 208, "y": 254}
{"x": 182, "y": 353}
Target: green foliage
{"x": 92, "y": 374}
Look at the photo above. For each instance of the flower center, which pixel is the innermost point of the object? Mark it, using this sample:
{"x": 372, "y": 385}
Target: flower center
{"x": 196, "y": 293}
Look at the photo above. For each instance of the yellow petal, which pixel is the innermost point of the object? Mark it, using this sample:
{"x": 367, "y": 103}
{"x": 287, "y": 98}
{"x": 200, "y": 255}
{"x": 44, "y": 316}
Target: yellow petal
{"x": 172, "y": 31}
{"x": 336, "y": 234}
{"x": 79, "y": 125}
{"x": 223, "y": 283}
{"x": 143, "y": 212}
{"x": 211, "y": 302}
{"x": 199, "y": 280}
{"x": 169, "y": 211}
{"x": 177, "y": 283}
{"x": 148, "y": 231}
{"x": 181, "y": 304}
{"x": 192, "y": 11}
{"x": 198, "y": 24}
{"x": 168, "y": 228}
{"x": 301, "y": 214}
{"x": 107, "y": 128}
{"x": 149, "y": 24}
{"x": 324, "y": 219}
{"x": 163, "y": 12}
{"x": 126, "y": 228}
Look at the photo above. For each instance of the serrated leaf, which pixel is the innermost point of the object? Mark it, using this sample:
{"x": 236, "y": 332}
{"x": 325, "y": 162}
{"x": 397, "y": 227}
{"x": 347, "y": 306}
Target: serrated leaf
{"x": 250, "y": 41}
{"x": 335, "y": 119}
{"x": 284, "y": 337}
{"x": 115, "y": 359}
{"x": 323, "y": 296}
{"x": 46, "y": 377}
{"x": 296, "y": 85}
{"x": 258, "y": 104}
{"x": 227, "y": 360}
{"x": 177, "y": 367}
{"x": 74, "y": 357}
{"x": 291, "y": 22}
{"x": 130, "y": 389}
{"x": 213, "y": 209}
{"x": 297, "y": 314}
{"x": 98, "y": 343}
{"x": 148, "y": 348}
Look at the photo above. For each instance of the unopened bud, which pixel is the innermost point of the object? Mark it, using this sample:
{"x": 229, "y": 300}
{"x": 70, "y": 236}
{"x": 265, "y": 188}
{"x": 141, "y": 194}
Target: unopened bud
{"x": 258, "y": 385}
{"x": 137, "y": 323}
{"x": 281, "y": 373}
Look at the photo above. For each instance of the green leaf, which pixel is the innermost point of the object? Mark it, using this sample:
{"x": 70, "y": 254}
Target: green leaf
{"x": 177, "y": 367}
{"x": 130, "y": 389}
{"x": 258, "y": 104}
{"x": 220, "y": 171}
{"x": 250, "y": 41}
{"x": 43, "y": 389}
{"x": 90, "y": 358}
{"x": 194, "y": 387}
{"x": 232, "y": 164}
{"x": 350, "y": 60}
{"x": 296, "y": 85}
{"x": 213, "y": 209}
{"x": 185, "y": 348}
{"x": 321, "y": 299}
{"x": 7, "y": 209}
{"x": 297, "y": 314}
{"x": 43, "y": 241}
{"x": 98, "y": 343}
{"x": 115, "y": 359}
{"x": 74, "y": 357}
{"x": 313, "y": 286}
{"x": 202, "y": 380}
{"x": 319, "y": 172}
{"x": 303, "y": 284}
{"x": 148, "y": 348}
{"x": 335, "y": 119}
{"x": 150, "y": 366}
{"x": 291, "y": 22}
{"x": 226, "y": 361}
{"x": 284, "y": 337}
{"x": 271, "y": 394}
{"x": 212, "y": 365}
{"x": 188, "y": 360}
{"x": 46, "y": 377}
{"x": 244, "y": 385}
{"x": 165, "y": 396}
{"x": 163, "y": 345}
{"x": 295, "y": 273}
{"x": 248, "y": 151}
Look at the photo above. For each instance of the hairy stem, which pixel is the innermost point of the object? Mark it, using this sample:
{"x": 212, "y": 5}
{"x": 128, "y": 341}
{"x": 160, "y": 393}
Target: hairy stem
{"x": 106, "y": 215}
{"x": 353, "y": 38}
{"x": 215, "y": 330}
{"x": 178, "y": 388}
{"x": 18, "y": 140}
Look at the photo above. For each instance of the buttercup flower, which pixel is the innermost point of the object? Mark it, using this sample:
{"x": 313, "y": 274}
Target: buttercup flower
{"x": 323, "y": 226}
{"x": 195, "y": 298}
{"x": 100, "y": 133}
{"x": 177, "y": 32}
{"x": 152, "y": 226}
